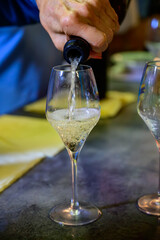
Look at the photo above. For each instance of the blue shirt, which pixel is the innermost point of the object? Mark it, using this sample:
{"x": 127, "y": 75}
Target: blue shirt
{"x": 18, "y": 12}
{"x": 26, "y": 55}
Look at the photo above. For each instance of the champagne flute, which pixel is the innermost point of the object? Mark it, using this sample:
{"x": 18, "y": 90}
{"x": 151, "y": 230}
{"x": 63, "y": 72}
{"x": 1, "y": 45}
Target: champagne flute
{"x": 149, "y": 110}
{"x": 73, "y": 110}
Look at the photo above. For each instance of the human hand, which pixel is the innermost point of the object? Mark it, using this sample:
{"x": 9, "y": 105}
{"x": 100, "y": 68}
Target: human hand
{"x": 93, "y": 20}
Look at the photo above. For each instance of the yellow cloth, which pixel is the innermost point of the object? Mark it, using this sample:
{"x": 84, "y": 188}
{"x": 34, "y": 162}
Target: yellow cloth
{"x": 37, "y": 107}
{"x": 24, "y": 141}
{"x": 110, "y": 106}
{"x": 114, "y": 102}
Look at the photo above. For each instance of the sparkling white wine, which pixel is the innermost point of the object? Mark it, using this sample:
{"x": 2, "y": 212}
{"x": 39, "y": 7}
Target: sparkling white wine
{"x": 74, "y": 131}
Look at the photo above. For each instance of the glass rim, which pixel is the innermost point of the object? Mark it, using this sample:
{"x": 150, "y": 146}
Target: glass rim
{"x": 62, "y": 68}
{"x": 153, "y": 63}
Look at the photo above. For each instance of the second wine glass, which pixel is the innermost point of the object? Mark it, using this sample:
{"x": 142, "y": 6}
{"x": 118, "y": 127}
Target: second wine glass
{"x": 149, "y": 110}
{"x": 73, "y": 110}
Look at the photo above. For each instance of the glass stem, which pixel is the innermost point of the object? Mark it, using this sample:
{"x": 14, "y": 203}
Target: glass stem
{"x": 74, "y": 200}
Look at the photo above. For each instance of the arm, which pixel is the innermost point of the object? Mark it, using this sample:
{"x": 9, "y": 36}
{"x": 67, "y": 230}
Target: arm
{"x": 18, "y": 12}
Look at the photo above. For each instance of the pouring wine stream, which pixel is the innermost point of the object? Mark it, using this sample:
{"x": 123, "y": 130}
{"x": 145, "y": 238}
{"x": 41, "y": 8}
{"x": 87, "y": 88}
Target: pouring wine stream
{"x": 71, "y": 98}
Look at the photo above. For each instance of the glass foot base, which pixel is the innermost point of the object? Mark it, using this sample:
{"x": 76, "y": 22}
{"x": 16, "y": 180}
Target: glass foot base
{"x": 150, "y": 204}
{"x": 64, "y": 215}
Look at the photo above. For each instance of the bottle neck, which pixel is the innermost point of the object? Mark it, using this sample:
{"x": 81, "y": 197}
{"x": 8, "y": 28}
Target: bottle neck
{"x": 78, "y": 48}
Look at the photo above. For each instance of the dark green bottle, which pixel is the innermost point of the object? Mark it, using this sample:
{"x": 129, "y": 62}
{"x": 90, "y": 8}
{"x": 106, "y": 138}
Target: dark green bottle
{"x": 76, "y": 47}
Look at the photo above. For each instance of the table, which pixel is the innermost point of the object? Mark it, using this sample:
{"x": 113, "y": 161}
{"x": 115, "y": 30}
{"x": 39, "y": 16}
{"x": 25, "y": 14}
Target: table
{"x": 118, "y": 163}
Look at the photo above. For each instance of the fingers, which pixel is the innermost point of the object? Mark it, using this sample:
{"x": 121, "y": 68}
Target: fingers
{"x": 96, "y": 38}
{"x": 59, "y": 40}
{"x": 93, "y": 20}
{"x": 105, "y": 13}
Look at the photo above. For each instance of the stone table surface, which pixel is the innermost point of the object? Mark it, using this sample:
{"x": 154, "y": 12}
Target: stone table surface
{"x": 118, "y": 163}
